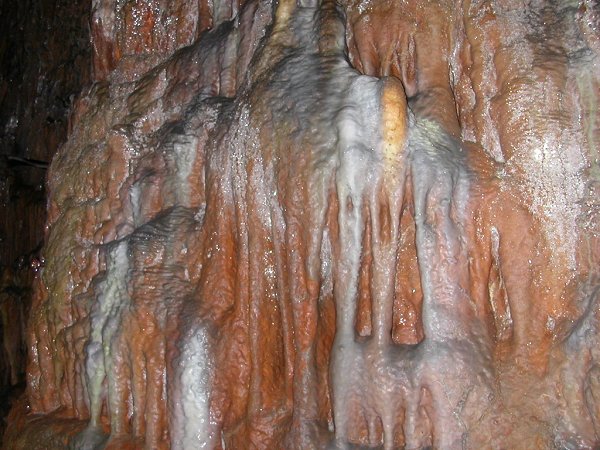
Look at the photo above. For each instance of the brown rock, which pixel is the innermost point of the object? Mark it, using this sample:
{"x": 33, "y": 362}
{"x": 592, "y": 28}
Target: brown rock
{"x": 323, "y": 225}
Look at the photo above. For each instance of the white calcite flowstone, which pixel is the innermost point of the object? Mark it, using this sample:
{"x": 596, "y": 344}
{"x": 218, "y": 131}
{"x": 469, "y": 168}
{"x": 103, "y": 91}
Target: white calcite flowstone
{"x": 326, "y": 225}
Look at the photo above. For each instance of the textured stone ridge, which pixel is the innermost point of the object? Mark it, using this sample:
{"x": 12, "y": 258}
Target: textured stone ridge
{"x": 319, "y": 225}
{"x": 44, "y": 61}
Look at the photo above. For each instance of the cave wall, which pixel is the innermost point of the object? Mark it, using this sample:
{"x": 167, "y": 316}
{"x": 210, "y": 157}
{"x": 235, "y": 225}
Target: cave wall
{"x": 319, "y": 224}
{"x": 45, "y": 59}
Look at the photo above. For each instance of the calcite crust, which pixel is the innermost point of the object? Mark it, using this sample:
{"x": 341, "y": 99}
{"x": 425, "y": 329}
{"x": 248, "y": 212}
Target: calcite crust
{"x": 323, "y": 225}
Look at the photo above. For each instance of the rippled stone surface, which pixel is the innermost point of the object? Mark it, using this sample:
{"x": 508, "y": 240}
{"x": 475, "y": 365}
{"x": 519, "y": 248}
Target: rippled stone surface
{"x": 324, "y": 225}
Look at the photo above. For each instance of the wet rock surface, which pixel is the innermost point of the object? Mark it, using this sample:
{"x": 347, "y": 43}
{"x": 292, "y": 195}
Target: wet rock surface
{"x": 45, "y": 59}
{"x": 324, "y": 225}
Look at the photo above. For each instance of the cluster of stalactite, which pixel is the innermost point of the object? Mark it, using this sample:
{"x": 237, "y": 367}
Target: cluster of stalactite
{"x": 320, "y": 224}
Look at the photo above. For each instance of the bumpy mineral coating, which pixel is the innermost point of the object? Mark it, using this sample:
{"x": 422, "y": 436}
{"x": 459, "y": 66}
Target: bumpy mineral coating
{"x": 325, "y": 225}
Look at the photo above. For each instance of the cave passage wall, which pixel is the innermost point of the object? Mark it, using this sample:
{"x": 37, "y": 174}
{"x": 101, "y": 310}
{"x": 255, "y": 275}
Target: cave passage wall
{"x": 322, "y": 224}
{"x": 45, "y": 59}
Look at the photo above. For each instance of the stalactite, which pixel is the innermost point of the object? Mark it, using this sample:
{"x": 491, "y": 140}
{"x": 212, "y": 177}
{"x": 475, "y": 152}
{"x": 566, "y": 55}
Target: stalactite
{"x": 317, "y": 225}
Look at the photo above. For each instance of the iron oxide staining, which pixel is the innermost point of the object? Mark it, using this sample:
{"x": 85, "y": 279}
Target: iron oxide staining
{"x": 271, "y": 247}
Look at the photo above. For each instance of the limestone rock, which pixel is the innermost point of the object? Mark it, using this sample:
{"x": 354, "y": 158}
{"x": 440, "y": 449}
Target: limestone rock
{"x": 318, "y": 225}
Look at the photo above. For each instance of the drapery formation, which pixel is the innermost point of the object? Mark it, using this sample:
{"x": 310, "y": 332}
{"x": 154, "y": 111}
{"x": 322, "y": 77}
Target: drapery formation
{"x": 322, "y": 224}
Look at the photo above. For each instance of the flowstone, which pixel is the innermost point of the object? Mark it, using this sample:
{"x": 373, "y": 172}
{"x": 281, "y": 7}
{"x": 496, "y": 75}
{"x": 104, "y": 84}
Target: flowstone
{"x": 324, "y": 225}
